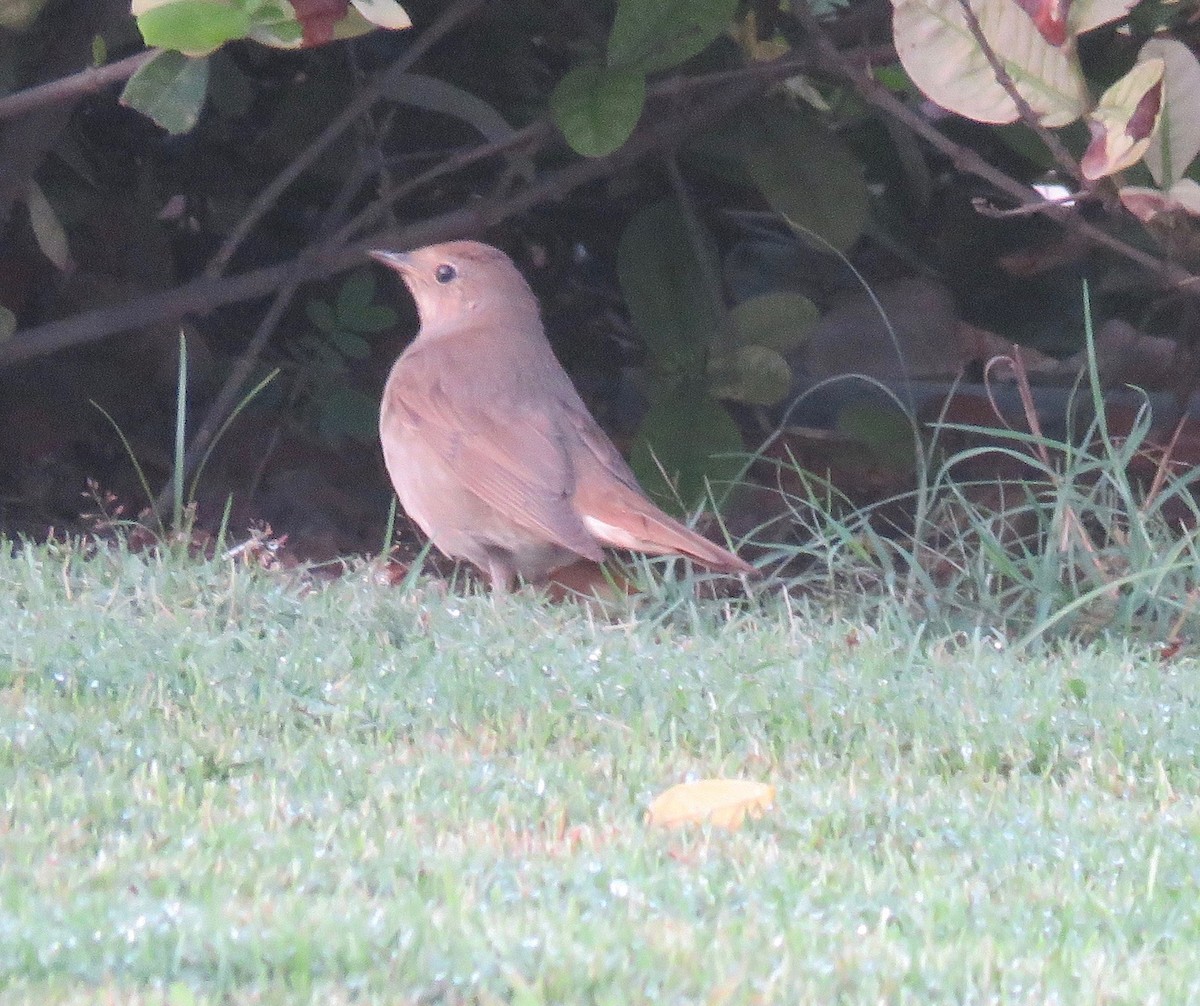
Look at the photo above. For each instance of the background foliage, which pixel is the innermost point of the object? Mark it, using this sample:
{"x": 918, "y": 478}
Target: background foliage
{"x": 690, "y": 187}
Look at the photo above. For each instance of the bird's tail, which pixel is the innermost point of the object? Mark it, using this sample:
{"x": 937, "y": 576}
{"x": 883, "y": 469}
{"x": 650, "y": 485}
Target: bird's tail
{"x": 635, "y": 523}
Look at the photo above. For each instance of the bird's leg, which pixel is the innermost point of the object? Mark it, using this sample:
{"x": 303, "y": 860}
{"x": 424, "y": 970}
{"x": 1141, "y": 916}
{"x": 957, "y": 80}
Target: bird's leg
{"x": 500, "y": 575}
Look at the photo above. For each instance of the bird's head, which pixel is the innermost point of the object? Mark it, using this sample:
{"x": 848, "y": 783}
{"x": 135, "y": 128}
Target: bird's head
{"x": 460, "y": 283}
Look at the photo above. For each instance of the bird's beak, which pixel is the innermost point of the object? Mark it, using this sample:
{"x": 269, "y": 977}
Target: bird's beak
{"x": 400, "y": 261}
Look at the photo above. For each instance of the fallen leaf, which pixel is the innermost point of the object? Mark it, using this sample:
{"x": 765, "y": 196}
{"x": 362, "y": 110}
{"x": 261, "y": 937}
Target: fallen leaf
{"x": 724, "y": 803}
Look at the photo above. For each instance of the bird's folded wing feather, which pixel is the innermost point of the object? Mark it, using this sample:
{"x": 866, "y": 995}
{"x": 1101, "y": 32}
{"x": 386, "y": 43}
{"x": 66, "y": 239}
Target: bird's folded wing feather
{"x": 508, "y": 453}
{"x": 622, "y": 515}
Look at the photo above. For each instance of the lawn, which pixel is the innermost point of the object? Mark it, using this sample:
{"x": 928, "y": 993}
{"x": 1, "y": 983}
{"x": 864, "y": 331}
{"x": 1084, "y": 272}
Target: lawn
{"x": 222, "y": 785}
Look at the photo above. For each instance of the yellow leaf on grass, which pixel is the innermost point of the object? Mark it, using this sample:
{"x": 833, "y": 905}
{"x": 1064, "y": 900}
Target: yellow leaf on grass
{"x": 724, "y": 803}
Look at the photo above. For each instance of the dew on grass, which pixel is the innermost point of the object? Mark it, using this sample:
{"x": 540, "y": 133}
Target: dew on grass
{"x": 134, "y": 931}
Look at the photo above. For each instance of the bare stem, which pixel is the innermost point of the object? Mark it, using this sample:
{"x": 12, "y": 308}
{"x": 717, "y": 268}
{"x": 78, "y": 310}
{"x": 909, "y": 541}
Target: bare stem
{"x": 360, "y": 105}
{"x": 87, "y": 81}
{"x": 1166, "y": 274}
{"x": 1028, "y": 116}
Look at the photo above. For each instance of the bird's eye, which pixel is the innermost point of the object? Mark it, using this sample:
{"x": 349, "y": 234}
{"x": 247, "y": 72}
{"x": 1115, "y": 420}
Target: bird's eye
{"x": 445, "y": 273}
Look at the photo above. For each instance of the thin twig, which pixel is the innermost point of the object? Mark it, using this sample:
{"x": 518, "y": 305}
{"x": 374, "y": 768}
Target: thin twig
{"x": 1167, "y": 274}
{"x": 227, "y": 398}
{"x": 539, "y": 132}
{"x": 1162, "y": 469}
{"x": 531, "y": 137}
{"x": 1072, "y": 523}
{"x": 86, "y": 81}
{"x": 1028, "y": 116}
{"x": 361, "y": 104}
{"x": 205, "y": 294}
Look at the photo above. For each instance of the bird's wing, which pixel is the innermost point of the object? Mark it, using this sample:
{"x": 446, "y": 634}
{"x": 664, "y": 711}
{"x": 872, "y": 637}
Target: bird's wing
{"x": 507, "y": 449}
{"x": 619, "y": 513}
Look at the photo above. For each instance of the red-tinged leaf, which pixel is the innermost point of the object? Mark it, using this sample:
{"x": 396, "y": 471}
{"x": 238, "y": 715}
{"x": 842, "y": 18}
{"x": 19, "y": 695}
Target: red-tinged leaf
{"x": 318, "y": 17}
{"x": 944, "y": 59}
{"x": 1146, "y": 203}
{"x": 1145, "y": 114}
{"x": 1124, "y": 121}
{"x": 1178, "y": 139}
{"x": 1050, "y": 16}
{"x": 1094, "y": 163}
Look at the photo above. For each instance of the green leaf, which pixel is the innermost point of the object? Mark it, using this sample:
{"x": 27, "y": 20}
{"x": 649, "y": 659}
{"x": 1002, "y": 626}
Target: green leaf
{"x": 805, "y": 172}
{"x": 169, "y": 89}
{"x": 325, "y": 357}
{"x": 597, "y": 108}
{"x": 694, "y": 439}
{"x": 354, "y": 311}
{"x": 321, "y": 315}
{"x": 194, "y": 27}
{"x": 375, "y": 318}
{"x": 894, "y": 78}
{"x": 755, "y": 375}
{"x": 653, "y": 35}
{"x": 348, "y": 412}
{"x": 277, "y": 28}
{"x": 780, "y": 320}
{"x": 357, "y": 292}
{"x": 353, "y": 347}
{"x": 664, "y": 288}
{"x": 47, "y": 228}
{"x": 718, "y": 151}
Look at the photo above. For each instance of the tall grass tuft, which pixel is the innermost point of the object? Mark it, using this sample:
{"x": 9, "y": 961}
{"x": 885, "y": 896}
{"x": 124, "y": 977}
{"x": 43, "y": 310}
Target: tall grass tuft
{"x": 1075, "y": 547}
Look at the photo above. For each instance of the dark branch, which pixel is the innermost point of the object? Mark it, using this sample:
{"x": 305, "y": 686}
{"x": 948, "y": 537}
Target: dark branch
{"x": 73, "y": 87}
{"x": 1166, "y": 274}
{"x": 202, "y": 295}
{"x": 1028, "y": 116}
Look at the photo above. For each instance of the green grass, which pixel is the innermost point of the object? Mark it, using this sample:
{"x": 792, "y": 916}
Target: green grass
{"x": 219, "y": 785}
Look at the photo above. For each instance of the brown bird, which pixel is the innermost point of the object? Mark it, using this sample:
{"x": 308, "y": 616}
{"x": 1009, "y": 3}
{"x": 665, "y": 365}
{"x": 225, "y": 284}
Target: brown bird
{"x": 490, "y": 448}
